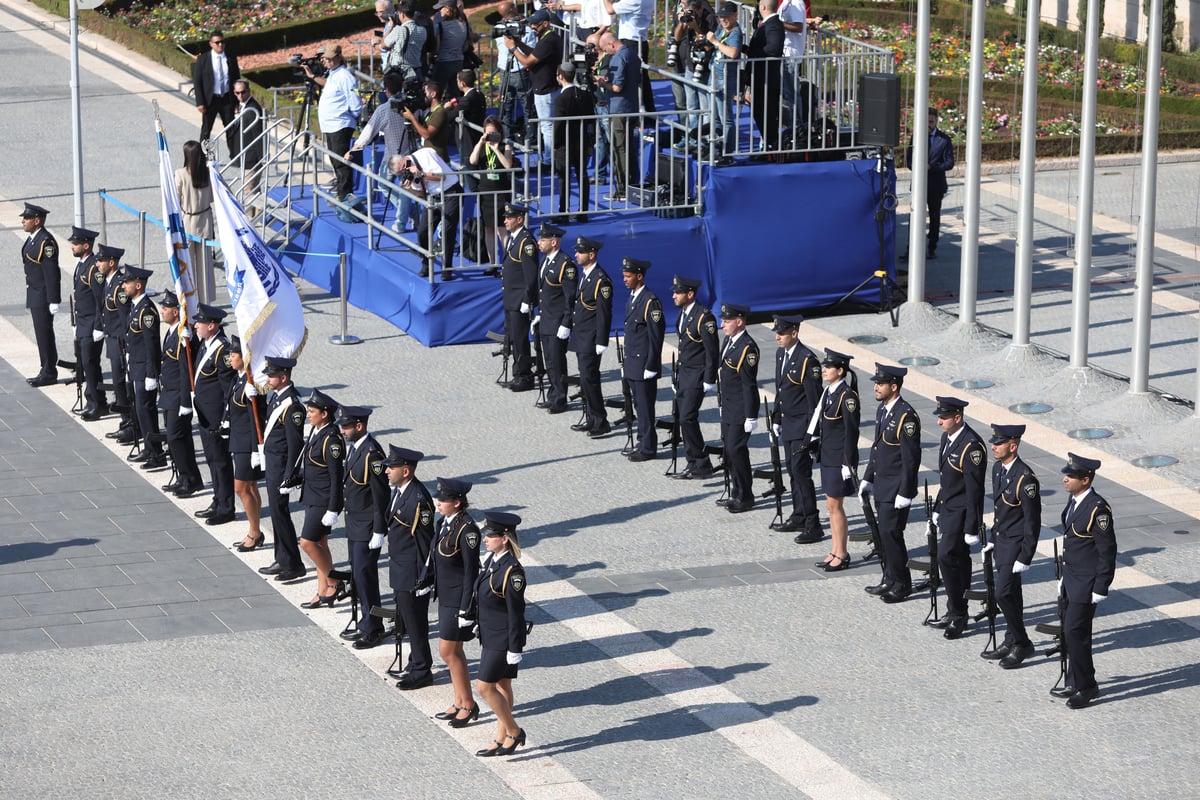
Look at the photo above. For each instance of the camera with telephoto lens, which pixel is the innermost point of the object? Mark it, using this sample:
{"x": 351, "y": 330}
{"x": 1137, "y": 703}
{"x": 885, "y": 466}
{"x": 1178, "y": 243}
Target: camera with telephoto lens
{"x": 512, "y": 28}
{"x": 687, "y": 17}
{"x": 411, "y": 97}
{"x": 673, "y": 54}
{"x": 585, "y": 59}
{"x": 409, "y": 174}
{"x": 299, "y": 62}
{"x": 701, "y": 60}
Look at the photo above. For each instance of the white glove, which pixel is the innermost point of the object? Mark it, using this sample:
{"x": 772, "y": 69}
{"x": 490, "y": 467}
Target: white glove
{"x": 1098, "y": 598}
{"x": 777, "y": 430}
{"x": 936, "y": 517}
{"x": 564, "y": 332}
{"x": 185, "y": 332}
{"x": 286, "y": 490}
{"x": 750, "y": 425}
{"x": 970, "y": 538}
{"x": 600, "y": 348}
{"x": 989, "y": 547}
{"x": 649, "y": 374}
{"x": 865, "y": 488}
{"x": 710, "y": 387}
{"x": 255, "y": 460}
{"x": 514, "y": 658}
{"x": 185, "y": 411}
{"x": 463, "y": 622}
{"x": 97, "y": 336}
{"x": 377, "y": 540}
{"x": 847, "y": 473}
{"x": 330, "y": 518}
{"x": 224, "y": 426}
{"x": 54, "y": 308}
{"x": 533, "y": 323}
{"x": 525, "y": 308}
{"x": 262, "y": 456}
{"x": 251, "y": 391}
{"x": 1060, "y": 580}
{"x": 151, "y": 384}
{"x": 1018, "y": 568}
{"x": 903, "y": 503}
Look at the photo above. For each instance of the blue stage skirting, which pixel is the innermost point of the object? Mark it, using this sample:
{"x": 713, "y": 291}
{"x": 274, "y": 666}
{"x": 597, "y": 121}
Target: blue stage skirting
{"x": 775, "y": 237}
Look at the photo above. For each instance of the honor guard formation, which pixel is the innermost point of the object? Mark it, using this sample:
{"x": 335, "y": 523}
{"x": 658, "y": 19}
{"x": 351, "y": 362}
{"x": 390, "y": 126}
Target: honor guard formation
{"x": 314, "y": 451}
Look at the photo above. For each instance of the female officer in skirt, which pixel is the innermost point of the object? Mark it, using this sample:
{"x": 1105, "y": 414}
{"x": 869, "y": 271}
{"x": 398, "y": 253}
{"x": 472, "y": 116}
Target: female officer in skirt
{"x": 247, "y": 415}
{"x": 838, "y": 428}
{"x": 456, "y": 565}
{"x": 500, "y": 604}
{"x": 321, "y": 494}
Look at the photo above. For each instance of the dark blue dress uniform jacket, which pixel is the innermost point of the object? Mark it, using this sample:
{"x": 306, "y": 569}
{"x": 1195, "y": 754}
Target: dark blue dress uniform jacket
{"x": 1090, "y": 549}
{"x": 1018, "y": 506}
{"x": 593, "y": 311}
{"x": 557, "y": 291}
{"x": 963, "y": 469}
{"x": 365, "y": 491}
{"x": 500, "y": 595}
{"x": 323, "y": 469}
{"x": 739, "y": 381}
{"x": 143, "y": 342}
{"x": 698, "y": 347}
{"x": 456, "y": 561}
{"x": 798, "y": 391}
{"x": 895, "y": 454}
{"x": 410, "y": 536}
{"x": 840, "y": 411}
{"x": 645, "y": 330}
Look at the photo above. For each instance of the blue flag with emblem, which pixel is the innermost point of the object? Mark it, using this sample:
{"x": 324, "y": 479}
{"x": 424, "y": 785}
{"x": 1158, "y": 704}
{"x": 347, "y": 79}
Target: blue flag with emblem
{"x": 177, "y": 247}
{"x": 264, "y": 298}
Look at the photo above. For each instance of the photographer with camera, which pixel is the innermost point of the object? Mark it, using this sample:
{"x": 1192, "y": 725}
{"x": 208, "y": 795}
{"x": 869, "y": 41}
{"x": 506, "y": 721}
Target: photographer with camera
{"x": 514, "y": 77}
{"x": 687, "y": 50}
{"x": 621, "y": 82}
{"x": 494, "y": 155}
{"x": 726, "y": 42}
{"x": 433, "y": 125}
{"x": 398, "y": 138}
{"x": 542, "y": 62}
{"x": 589, "y": 17}
{"x": 390, "y": 56}
{"x": 337, "y": 113}
{"x": 404, "y": 43}
{"x": 426, "y": 174}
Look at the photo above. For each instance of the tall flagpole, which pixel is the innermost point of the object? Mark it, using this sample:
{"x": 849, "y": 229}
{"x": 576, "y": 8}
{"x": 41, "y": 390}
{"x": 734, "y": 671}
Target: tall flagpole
{"x": 76, "y": 116}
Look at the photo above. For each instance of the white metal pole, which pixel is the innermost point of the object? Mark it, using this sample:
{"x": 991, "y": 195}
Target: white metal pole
{"x": 1139, "y": 376}
{"x": 1023, "y": 268}
{"x": 920, "y": 160}
{"x": 968, "y": 286}
{"x": 1081, "y": 284}
{"x": 76, "y": 115}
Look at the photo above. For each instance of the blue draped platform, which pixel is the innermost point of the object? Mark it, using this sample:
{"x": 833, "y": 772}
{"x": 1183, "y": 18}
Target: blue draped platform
{"x": 775, "y": 237}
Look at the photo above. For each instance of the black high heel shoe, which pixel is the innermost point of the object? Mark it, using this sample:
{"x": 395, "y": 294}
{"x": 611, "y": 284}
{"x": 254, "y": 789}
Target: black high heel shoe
{"x": 517, "y": 740}
{"x": 339, "y": 591}
{"x": 488, "y": 752}
{"x": 242, "y": 548}
{"x": 843, "y": 563}
{"x": 447, "y": 714}
{"x": 322, "y": 600}
{"x": 462, "y": 722}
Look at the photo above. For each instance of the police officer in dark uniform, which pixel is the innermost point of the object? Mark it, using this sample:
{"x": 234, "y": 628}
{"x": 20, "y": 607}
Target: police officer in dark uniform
{"x": 365, "y": 494}
{"x": 43, "y": 290}
{"x": 1089, "y": 564}
{"x": 739, "y": 404}
{"x": 645, "y": 330}
{"x": 697, "y": 373}
{"x": 836, "y": 431}
{"x": 245, "y": 419}
{"x": 520, "y": 293}
{"x": 410, "y": 543}
{"x": 114, "y": 319}
{"x": 1015, "y": 531}
{"x": 891, "y": 475}
{"x": 283, "y": 444}
{"x": 958, "y": 510}
{"x": 557, "y": 289}
{"x": 321, "y": 494}
{"x": 213, "y": 380}
{"x": 797, "y": 394}
{"x": 88, "y": 298}
{"x": 500, "y": 604}
{"x": 456, "y": 564}
{"x": 174, "y": 398}
{"x": 143, "y": 346}
{"x": 589, "y": 335}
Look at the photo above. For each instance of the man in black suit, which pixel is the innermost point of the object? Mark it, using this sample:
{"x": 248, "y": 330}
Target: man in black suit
{"x": 589, "y": 335}
{"x": 88, "y": 294}
{"x": 519, "y": 273}
{"x": 765, "y": 76}
{"x": 739, "y": 404}
{"x": 246, "y": 145}
{"x": 557, "y": 288}
{"x": 213, "y": 380}
{"x": 283, "y": 444}
{"x": 472, "y": 111}
{"x": 797, "y": 396}
{"x": 365, "y": 497}
{"x": 574, "y": 109}
{"x": 174, "y": 398}
{"x": 143, "y": 349}
{"x": 941, "y": 161}
{"x": 696, "y": 375}
{"x": 410, "y": 537}
{"x": 114, "y": 318}
{"x": 43, "y": 290}
{"x": 213, "y": 76}
{"x": 645, "y": 329}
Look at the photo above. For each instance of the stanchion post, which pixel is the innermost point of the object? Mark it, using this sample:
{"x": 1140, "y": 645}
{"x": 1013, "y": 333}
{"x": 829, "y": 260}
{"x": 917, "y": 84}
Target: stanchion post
{"x": 142, "y": 239}
{"x": 103, "y": 217}
{"x": 344, "y": 338}
{"x": 208, "y": 274}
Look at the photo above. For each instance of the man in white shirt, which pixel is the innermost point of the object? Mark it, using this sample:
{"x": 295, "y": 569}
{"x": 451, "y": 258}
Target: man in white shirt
{"x": 213, "y": 75}
{"x": 434, "y": 179}
{"x": 337, "y": 114}
{"x": 794, "y": 14}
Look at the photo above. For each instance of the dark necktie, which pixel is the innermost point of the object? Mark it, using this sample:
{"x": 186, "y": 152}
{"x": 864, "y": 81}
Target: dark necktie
{"x": 1070, "y": 511}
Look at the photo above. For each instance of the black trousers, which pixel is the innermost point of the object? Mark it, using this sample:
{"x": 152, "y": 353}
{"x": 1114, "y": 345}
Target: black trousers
{"x": 222, "y": 106}
{"x": 116, "y": 366}
{"x": 414, "y": 613}
{"x": 933, "y": 201}
{"x": 690, "y": 400}
{"x": 764, "y": 105}
{"x": 516, "y": 325}
{"x": 737, "y": 461}
{"x": 589, "y": 386}
{"x": 339, "y": 143}
{"x": 182, "y": 448}
{"x": 364, "y": 566}
{"x": 892, "y": 522}
{"x": 554, "y": 351}
{"x": 447, "y": 213}
{"x": 146, "y": 406}
{"x": 1010, "y": 598}
{"x": 644, "y": 394}
{"x": 43, "y": 333}
{"x": 564, "y": 164}
{"x": 1077, "y": 636}
{"x": 220, "y": 469}
{"x": 954, "y": 561}
{"x": 804, "y": 491}
{"x": 89, "y": 355}
{"x": 287, "y": 548}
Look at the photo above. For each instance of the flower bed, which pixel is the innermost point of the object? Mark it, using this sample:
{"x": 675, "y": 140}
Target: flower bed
{"x": 189, "y": 22}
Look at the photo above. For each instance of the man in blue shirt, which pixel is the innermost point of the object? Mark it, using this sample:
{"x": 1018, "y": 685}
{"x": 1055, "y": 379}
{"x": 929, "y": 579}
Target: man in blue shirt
{"x": 621, "y": 86}
{"x": 337, "y": 114}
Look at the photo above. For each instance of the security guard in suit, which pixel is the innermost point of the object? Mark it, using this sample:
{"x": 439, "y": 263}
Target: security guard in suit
{"x": 87, "y": 293}
{"x": 589, "y": 335}
{"x": 114, "y": 319}
{"x": 410, "y": 543}
{"x": 958, "y": 510}
{"x": 143, "y": 346}
{"x": 836, "y": 431}
{"x": 645, "y": 330}
{"x": 739, "y": 404}
{"x": 520, "y": 292}
{"x": 213, "y": 380}
{"x": 43, "y": 289}
{"x": 1015, "y": 530}
{"x": 557, "y": 289}
{"x": 797, "y": 394}
{"x": 174, "y": 398}
{"x": 283, "y": 444}
{"x": 365, "y": 495}
{"x": 891, "y": 475}
{"x": 696, "y": 372}
{"x": 323, "y": 465}
{"x": 1089, "y": 564}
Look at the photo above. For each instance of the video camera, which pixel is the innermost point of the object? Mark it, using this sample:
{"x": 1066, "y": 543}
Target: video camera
{"x": 313, "y": 62}
{"x": 412, "y": 97}
{"x": 585, "y": 59}
{"x": 512, "y": 28}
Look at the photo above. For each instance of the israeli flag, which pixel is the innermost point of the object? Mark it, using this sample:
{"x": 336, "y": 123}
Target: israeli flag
{"x": 177, "y": 246}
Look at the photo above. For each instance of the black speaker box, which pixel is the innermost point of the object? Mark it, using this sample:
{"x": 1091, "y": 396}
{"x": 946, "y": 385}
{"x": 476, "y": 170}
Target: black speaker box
{"x": 879, "y": 109}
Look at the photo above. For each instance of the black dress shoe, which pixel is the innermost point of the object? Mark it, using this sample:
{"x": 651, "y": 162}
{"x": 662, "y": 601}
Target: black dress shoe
{"x": 1083, "y": 697}
{"x": 691, "y": 474}
{"x": 557, "y": 409}
{"x": 407, "y": 684}
{"x": 274, "y": 569}
{"x": 543, "y": 404}
{"x": 809, "y": 537}
{"x": 1063, "y": 691}
{"x": 942, "y": 622}
{"x": 91, "y": 414}
{"x": 186, "y": 491}
{"x": 997, "y": 654}
{"x": 521, "y": 385}
{"x": 291, "y": 575}
{"x": 138, "y": 457}
{"x": 206, "y": 512}
{"x": 897, "y": 594}
{"x": 156, "y": 462}
{"x": 43, "y": 380}
{"x": 1016, "y": 656}
{"x": 169, "y": 487}
{"x": 787, "y": 526}
{"x": 739, "y": 508}
{"x": 638, "y": 455}
{"x": 219, "y": 519}
{"x": 582, "y": 426}
{"x": 956, "y": 628}
{"x": 603, "y": 429}
{"x": 126, "y": 436}
{"x": 724, "y": 501}
{"x": 350, "y": 636}
{"x": 878, "y": 589}
{"x": 369, "y": 641}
